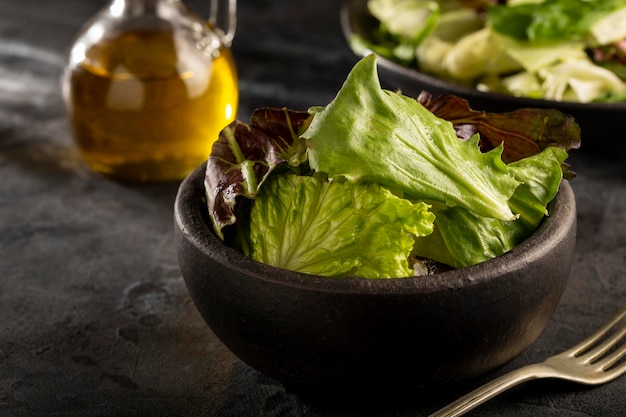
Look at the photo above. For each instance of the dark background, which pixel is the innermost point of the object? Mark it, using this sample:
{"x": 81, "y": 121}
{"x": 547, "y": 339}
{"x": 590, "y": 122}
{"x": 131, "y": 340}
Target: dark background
{"x": 95, "y": 319}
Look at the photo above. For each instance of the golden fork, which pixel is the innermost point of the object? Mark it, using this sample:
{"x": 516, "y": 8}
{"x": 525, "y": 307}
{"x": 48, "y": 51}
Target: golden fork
{"x": 594, "y": 361}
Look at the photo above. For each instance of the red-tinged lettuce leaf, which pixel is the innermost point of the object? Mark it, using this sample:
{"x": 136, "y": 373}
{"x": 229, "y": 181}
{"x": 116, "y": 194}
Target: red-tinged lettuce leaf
{"x": 244, "y": 156}
{"x": 525, "y": 132}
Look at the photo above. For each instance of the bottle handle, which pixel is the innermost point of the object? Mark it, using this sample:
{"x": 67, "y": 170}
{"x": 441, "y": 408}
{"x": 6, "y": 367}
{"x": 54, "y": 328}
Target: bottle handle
{"x": 225, "y": 20}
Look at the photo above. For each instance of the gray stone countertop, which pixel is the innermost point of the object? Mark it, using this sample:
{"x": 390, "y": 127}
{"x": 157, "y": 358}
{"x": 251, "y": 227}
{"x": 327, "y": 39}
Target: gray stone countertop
{"x": 95, "y": 319}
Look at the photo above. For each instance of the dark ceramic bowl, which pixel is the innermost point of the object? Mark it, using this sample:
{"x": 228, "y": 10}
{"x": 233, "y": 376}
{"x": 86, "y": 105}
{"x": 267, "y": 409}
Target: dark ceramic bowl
{"x": 599, "y": 122}
{"x": 313, "y": 331}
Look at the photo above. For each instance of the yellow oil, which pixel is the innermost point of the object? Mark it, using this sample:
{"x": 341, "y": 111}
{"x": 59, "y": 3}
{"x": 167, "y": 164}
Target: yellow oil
{"x": 147, "y": 106}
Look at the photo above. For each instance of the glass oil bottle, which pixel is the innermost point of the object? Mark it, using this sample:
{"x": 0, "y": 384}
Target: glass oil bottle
{"x": 148, "y": 86}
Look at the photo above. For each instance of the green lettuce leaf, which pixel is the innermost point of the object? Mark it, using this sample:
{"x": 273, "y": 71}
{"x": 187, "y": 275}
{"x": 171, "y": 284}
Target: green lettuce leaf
{"x": 369, "y": 134}
{"x": 462, "y": 238}
{"x": 533, "y": 56}
{"x": 579, "y": 80}
{"x": 611, "y": 28}
{"x": 550, "y": 20}
{"x": 408, "y": 19}
{"x": 245, "y": 154}
{"x": 541, "y": 176}
{"x": 304, "y": 224}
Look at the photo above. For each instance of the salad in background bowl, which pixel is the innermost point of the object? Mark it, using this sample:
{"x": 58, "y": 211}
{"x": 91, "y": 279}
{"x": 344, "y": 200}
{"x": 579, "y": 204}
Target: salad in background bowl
{"x": 296, "y": 238}
{"x": 551, "y": 54}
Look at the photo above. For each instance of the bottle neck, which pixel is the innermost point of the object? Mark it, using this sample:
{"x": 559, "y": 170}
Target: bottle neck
{"x": 120, "y": 8}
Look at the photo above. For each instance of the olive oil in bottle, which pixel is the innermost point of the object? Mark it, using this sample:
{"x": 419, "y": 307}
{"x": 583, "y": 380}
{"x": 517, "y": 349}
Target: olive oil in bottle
{"x": 146, "y": 103}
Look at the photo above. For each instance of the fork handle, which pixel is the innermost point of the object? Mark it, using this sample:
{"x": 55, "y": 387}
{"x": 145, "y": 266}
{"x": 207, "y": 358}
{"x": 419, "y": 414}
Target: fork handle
{"x": 491, "y": 389}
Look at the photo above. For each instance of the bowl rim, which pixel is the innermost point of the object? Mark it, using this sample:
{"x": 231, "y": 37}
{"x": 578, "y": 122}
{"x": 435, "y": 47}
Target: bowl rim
{"x": 190, "y": 223}
{"x": 353, "y": 10}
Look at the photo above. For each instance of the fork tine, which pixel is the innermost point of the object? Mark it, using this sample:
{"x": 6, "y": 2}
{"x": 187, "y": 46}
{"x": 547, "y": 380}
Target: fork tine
{"x": 611, "y": 373}
{"x": 584, "y": 346}
{"x": 613, "y": 358}
{"x": 605, "y": 346}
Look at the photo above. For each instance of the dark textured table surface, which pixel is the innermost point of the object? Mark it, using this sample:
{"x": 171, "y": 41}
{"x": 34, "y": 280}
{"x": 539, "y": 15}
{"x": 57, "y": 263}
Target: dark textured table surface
{"x": 95, "y": 319}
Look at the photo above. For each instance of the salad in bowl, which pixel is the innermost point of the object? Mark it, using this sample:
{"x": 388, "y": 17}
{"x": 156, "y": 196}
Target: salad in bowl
{"x": 381, "y": 185}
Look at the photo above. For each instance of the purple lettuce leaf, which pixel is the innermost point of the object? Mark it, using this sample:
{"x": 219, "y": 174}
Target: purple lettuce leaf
{"x": 244, "y": 156}
{"x": 524, "y": 132}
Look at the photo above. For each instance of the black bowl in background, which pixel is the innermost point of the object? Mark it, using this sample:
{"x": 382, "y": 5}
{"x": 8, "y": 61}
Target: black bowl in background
{"x": 355, "y": 333}
{"x": 600, "y": 123}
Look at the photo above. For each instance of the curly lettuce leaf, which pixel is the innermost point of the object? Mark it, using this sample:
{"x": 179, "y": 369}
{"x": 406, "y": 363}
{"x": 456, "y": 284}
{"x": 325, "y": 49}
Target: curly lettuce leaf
{"x": 244, "y": 156}
{"x": 368, "y": 134}
{"x": 304, "y": 224}
{"x": 462, "y": 238}
{"x": 541, "y": 176}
